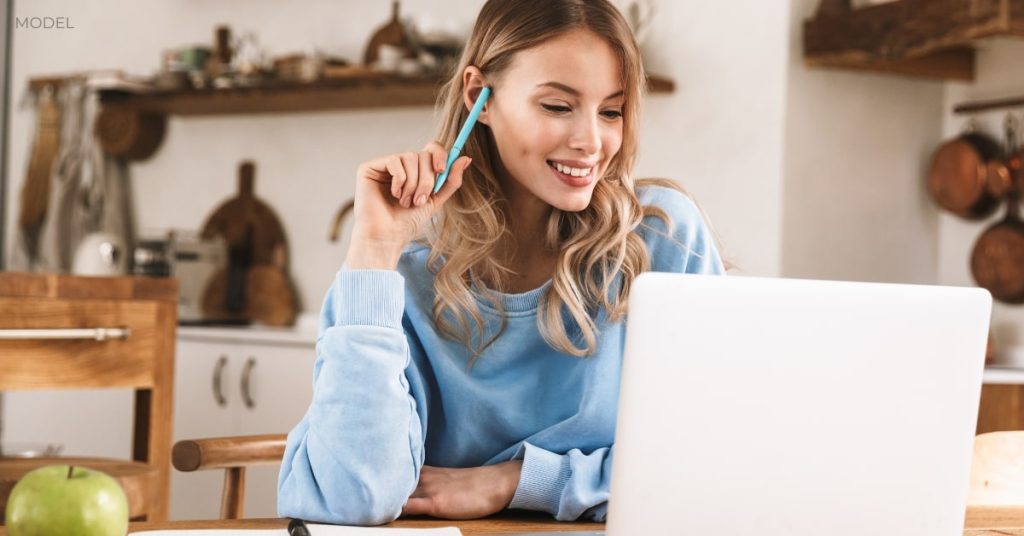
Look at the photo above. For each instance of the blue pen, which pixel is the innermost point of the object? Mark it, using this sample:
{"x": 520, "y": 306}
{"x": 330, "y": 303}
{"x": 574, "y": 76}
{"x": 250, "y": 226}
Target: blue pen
{"x": 460, "y": 140}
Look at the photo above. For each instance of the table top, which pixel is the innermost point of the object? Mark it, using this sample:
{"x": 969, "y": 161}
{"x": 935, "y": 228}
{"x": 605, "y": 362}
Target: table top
{"x": 981, "y": 521}
{"x": 503, "y": 523}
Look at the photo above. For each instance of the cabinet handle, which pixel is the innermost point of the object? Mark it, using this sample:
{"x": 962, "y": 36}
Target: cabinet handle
{"x": 218, "y": 373}
{"x": 96, "y": 334}
{"x": 246, "y": 375}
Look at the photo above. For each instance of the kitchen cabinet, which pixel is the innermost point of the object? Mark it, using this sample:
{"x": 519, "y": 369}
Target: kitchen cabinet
{"x": 237, "y": 382}
{"x": 1002, "y": 400}
{"x": 1001, "y": 408}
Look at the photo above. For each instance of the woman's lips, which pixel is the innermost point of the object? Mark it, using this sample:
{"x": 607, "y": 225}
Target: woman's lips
{"x": 575, "y": 182}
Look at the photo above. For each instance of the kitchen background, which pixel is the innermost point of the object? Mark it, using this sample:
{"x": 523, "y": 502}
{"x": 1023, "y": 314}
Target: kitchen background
{"x": 803, "y": 172}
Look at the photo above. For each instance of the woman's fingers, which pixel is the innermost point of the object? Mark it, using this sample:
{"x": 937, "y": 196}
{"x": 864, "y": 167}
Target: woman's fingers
{"x": 427, "y": 178}
{"x": 411, "y": 165}
{"x": 454, "y": 180}
{"x": 393, "y": 165}
{"x": 438, "y": 154}
{"x": 413, "y": 175}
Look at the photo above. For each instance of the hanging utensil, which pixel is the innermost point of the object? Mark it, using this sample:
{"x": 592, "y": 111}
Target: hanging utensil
{"x": 958, "y": 175}
{"x": 997, "y": 261}
{"x": 35, "y": 192}
{"x": 1002, "y": 170}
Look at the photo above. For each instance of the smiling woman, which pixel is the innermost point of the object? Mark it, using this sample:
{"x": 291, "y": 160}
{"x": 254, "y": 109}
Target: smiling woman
{"x": 470, "y": 347}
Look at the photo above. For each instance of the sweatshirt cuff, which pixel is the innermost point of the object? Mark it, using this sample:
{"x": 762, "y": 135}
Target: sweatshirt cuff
{"x": 369, "y": 298}
{"x": 542, "y": 480}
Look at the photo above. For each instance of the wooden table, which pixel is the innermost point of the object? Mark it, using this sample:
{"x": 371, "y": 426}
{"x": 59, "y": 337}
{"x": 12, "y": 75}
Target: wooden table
{"x": 505, "y": 522}
{"x": 991, "y": 520}
{"x": 981, "y": 521}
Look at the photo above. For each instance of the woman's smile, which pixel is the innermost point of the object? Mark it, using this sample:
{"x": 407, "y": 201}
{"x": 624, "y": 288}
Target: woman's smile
{"x": 575, "y": 174}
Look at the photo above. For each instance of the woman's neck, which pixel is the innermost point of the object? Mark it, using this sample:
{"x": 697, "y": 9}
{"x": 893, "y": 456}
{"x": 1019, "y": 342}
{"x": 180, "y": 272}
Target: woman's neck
{"x": 524, "y": 249}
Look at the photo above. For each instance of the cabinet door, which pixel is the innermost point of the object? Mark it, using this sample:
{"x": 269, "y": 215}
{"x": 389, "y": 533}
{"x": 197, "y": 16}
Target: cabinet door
{"x": 200, "y": 411}
{"x": 1001, "y": 408}
{"x": 274, "y": 399}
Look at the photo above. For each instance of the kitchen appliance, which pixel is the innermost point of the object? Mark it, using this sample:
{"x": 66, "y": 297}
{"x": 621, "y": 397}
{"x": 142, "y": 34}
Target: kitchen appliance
{"x": 100, "y": 254}
{"x": 190, "y": 258}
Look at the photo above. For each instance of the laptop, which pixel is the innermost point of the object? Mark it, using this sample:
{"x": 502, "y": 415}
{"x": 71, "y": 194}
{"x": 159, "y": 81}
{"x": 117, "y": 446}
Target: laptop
{"x": 783, "y": 407}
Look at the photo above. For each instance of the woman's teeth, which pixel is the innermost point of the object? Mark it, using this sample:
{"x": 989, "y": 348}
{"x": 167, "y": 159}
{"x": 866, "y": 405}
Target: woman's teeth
{"x": 575, "y": 172}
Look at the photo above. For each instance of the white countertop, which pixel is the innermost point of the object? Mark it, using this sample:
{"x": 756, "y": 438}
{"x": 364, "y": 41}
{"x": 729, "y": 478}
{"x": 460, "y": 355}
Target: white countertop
{"x": 303, "y": 333}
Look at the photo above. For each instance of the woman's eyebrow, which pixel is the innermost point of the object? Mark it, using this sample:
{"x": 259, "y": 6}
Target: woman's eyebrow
{"x": 575, "y": 92}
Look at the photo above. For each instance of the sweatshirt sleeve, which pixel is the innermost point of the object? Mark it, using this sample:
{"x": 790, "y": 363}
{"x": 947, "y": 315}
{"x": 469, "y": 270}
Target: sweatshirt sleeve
{"x": 355, "y": 457}
{"x": 568, "y": 486}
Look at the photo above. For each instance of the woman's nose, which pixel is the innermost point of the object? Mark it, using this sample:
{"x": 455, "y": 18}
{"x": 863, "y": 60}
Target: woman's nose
{"x": 586, "y": 137}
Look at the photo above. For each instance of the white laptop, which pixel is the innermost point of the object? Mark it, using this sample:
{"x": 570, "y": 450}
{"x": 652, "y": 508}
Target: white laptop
{"x": 777, "y": 407}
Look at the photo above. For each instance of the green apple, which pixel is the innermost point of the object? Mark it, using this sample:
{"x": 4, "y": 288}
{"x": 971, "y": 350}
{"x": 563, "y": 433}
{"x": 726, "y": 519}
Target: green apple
{"x": 62, "y": 500}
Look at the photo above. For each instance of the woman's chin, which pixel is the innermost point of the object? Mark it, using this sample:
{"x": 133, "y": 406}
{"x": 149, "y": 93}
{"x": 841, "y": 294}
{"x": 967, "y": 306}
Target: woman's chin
{"x": 573, "y": 202}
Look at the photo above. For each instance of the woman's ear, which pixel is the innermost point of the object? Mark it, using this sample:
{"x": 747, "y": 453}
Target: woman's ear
{"x": 472, "y": 83}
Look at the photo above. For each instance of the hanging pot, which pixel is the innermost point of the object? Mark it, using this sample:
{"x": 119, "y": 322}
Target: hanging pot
{"x": 958, "y": 175}
{"x": 997, "y": 262}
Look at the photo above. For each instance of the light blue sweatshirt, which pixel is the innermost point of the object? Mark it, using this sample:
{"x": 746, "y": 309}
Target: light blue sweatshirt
{"x": 390, "y": 394}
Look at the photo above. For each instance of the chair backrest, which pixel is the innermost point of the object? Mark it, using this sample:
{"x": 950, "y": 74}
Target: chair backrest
{"x": 69, "y": 332}
{"x": 997, "y": 469}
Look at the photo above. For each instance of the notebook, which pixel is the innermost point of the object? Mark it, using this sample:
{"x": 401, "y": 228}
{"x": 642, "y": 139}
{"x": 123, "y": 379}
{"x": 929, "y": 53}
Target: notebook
{"x": 314, "y": 530}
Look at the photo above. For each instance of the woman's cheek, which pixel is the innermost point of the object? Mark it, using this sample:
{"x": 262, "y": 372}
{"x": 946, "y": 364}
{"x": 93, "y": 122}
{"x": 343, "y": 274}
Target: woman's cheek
{"x": 612, "y": 142}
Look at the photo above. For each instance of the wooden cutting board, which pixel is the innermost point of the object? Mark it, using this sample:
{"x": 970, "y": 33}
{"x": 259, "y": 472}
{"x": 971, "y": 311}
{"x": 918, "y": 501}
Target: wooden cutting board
{"x": 258, "y": 288}
{"x": 246, "y": 218}
{"x": 269, "y": 297}
{"x": 35, "y": 192}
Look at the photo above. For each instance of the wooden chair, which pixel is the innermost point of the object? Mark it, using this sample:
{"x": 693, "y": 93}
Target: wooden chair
{"x": 997, "y": 470}
{"x": 68, "y": 332}
{"x": 233, "y": 454}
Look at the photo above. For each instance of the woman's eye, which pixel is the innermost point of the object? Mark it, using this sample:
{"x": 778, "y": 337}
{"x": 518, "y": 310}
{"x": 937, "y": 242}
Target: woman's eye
{"x": 612, "y": 114}
{"x": 555, "y": 108}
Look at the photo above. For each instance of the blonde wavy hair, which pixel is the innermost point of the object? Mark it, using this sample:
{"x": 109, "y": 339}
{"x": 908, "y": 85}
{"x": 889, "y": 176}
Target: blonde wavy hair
{"x": 594, "y": 245}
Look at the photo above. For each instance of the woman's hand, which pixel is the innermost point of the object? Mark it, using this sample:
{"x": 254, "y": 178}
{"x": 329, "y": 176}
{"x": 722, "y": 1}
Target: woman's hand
{"x": 464, "y": 493}
{"x": 393, "y": 202}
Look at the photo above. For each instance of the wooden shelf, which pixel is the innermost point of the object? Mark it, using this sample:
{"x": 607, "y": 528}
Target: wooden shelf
{"x": 924, "y": 38}
{"x": 277, "y": 97}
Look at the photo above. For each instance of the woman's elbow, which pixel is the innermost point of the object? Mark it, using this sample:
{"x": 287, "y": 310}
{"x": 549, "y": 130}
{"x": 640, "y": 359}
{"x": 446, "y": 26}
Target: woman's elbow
{"x": 360, "y": 504}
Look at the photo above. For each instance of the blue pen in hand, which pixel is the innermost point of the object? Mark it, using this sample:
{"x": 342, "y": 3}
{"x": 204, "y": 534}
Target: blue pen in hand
{"x": 460, "y": 140}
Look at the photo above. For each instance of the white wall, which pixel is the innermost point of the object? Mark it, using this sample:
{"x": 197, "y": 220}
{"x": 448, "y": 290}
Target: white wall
{"x": 999, "y": 75}
{"x": 856, "y": 147}
{"x": 719, "y": 134}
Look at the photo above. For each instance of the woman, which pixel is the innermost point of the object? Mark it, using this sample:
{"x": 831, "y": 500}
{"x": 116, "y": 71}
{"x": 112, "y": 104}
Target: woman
{"x": 470, "y": 347}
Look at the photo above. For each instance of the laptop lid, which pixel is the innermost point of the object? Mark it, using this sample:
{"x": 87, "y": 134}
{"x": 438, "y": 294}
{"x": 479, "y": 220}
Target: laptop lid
{"x": 792, "y": 407}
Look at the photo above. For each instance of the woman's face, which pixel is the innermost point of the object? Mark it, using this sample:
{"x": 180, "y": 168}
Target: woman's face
{"x": 556, "y": 116}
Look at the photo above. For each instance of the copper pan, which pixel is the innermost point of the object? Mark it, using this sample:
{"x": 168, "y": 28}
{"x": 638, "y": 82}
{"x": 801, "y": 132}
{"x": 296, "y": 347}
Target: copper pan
{"x": 958, "y": 175}
{"x": 997, "y": 262}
